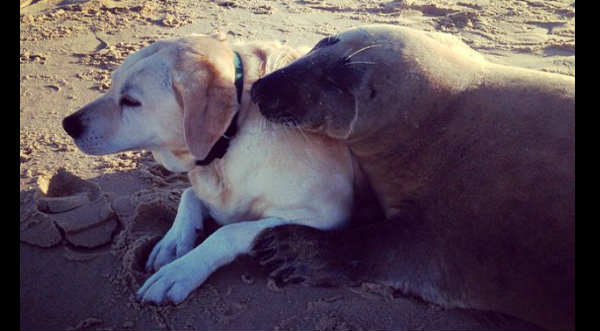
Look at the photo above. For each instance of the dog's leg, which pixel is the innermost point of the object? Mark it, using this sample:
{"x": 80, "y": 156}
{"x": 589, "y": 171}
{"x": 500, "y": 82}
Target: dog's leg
{"x": 176, "y": 280}
{"x": 182, "y": 235}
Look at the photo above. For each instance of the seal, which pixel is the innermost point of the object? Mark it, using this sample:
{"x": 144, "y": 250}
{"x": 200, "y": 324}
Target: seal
{"x": 472, "y": 162}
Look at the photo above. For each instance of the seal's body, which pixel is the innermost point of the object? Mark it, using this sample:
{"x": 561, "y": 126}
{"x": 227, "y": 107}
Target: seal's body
{"x": 473, "y": 160}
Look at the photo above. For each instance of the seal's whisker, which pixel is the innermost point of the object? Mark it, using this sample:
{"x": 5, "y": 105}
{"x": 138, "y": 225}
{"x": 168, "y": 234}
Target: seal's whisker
{"x": 268, "y": 125}
{"x": 309, "y": 143}
{"x": 262, "y": 125}
{"x": 288, "y": 131}
{"x": 360, "y": 62}
{"x": 354, "y": 118}
{"x": 348, "y": 57}
{"x": 302, "y": 134}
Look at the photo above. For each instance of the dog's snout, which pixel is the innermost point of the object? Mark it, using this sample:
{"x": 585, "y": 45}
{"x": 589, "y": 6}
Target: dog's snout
{"x": 73, "y": 125}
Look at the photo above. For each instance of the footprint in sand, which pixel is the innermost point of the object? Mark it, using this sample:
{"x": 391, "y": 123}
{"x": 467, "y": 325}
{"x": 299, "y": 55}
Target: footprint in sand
{"x": 146, "y": 216}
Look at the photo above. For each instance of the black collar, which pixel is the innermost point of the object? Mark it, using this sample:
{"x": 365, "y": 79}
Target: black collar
{"x": 220, "y": 147}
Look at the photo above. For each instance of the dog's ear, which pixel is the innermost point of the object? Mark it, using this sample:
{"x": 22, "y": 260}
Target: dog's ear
{"x": 204, "y": 85}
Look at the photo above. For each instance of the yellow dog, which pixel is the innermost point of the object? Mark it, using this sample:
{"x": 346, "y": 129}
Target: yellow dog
{"x": 187, "y": 100}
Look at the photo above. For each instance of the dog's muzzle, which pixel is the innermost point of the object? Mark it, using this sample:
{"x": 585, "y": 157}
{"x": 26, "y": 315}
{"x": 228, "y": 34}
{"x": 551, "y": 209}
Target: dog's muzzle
{"x": 73, "y": 125}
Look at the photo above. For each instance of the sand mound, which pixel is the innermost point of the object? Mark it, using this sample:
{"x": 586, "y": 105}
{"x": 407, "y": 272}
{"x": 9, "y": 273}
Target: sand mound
{"x": 64, "y": 206}
{"x": 67, "y": 207}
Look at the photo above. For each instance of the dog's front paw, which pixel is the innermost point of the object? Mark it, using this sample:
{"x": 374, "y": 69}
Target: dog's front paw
{"x": 176, "y": 243}
{"x": 172, "y": 283}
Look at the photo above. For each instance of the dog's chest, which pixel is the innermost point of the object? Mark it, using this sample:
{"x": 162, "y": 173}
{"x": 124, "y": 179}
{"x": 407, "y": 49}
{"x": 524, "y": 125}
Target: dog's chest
{"x": 269, "y": 171}
{"x": 227, "y": 198}
{"x": 240, "y": 186}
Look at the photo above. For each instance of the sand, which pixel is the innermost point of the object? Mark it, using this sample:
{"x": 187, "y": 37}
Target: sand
{"x": 87, "y": 223}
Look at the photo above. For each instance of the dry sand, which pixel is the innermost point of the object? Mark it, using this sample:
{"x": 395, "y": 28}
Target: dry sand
{"x": 81, "y": 257}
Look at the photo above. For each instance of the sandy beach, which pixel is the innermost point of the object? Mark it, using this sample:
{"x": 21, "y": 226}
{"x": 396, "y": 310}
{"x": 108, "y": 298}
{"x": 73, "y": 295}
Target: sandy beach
{"x": 88, "y": 223}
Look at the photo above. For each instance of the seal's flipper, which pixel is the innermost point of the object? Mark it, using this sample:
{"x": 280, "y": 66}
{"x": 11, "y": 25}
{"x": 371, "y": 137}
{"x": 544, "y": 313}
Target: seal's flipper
{"x": 301, "y": 254}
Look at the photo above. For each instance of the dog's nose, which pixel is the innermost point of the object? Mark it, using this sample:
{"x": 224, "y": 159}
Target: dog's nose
{"x": 73, "y": 126}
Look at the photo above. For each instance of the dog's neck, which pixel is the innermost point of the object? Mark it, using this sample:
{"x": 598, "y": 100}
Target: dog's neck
{"x": 220, "y": 147}
{"x": 246, "y": 73}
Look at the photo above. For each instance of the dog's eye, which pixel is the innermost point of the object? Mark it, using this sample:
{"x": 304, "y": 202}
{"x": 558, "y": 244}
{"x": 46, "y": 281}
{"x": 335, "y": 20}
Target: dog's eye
{"x": 128, "y": 101}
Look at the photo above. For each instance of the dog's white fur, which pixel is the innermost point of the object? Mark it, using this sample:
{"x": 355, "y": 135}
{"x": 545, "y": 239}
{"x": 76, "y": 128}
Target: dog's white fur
{"x": 270, "y": 175}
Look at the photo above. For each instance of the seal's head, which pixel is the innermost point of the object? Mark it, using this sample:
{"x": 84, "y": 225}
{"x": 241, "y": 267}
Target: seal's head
{"x": 318, "y": 92}
{"x": 349, "y": 84}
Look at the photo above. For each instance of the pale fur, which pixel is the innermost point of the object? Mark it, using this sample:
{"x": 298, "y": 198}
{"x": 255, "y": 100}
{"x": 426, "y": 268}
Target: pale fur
{"x": 270, "y": 175}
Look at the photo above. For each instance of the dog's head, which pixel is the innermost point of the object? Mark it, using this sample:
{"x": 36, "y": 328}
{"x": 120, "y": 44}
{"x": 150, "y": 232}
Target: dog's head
{"x": 175, "y": 96}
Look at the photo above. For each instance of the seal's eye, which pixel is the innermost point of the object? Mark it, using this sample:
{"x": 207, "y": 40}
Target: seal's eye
{"x": 127, "y": 101}
{"x": 328, "y": 41}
